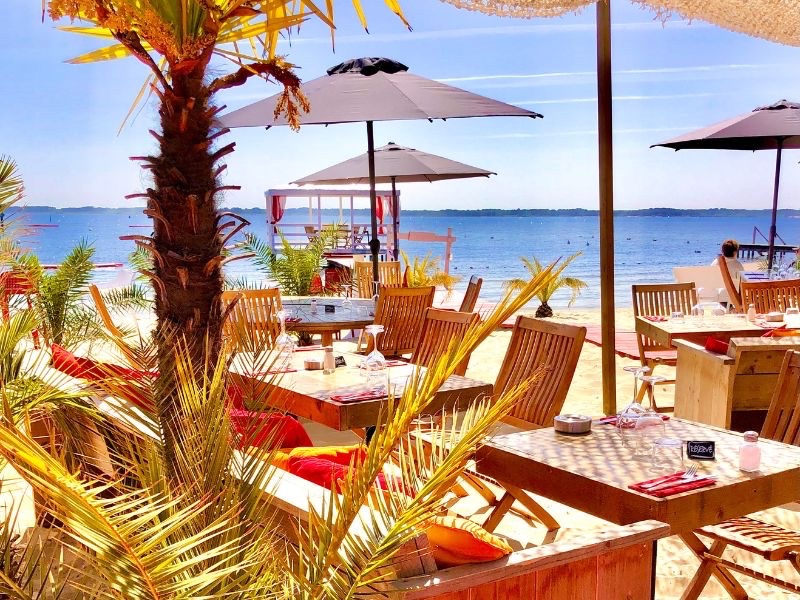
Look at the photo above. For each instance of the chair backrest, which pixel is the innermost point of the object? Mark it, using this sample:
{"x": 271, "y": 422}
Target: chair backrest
{"x": 439, "y": 329}
{"x": 548, "y": 350}
{"x": 770, "y": 296}
{"x": 252, "y": 323}
{"x": 783, "y": 417}
{"x": 471, "y": 295}
{"x": 401, "y": 311}
{"x": 102, "y": 311}
{"x": 661, "y": 299}
{"x": 734, "y": 297}
{"x": 389, "y": 274}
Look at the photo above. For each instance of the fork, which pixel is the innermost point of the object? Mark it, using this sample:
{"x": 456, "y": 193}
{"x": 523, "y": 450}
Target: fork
{"x": 674, "y": 480}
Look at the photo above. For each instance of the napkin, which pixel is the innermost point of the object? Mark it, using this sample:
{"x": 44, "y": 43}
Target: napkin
{"x": 276, "y": 371}
{"x": 390, "y": 363}
{"x": 677, "y": 488}
{"x": 307, "y": 348}
{"x": 293, "y": 319}
{"x": 716, "y": 346}
{"x": 656, "y": 319}
{"x": 612, "y": 419}
{"x": 372, "y": 394}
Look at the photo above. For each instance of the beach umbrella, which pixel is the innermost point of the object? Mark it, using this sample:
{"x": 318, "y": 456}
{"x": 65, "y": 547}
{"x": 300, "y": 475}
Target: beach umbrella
{"x": 773, "y": 127}
{"x": 394, "y": 164}
{"x": 369, "y": 90}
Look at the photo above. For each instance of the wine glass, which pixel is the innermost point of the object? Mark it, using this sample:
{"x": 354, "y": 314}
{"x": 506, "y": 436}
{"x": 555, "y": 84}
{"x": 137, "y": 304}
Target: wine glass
{"x": 651, "y": 380}
{"x": 626, "y": 424}
{"x": 284, "y": 344}
{"x": 637, "y": 371}
{"x": 375, "y": 363}
{"x": 649, "y": 428}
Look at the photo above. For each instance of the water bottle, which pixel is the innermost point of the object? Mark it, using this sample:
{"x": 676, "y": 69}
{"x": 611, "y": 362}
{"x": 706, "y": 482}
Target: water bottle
{"x": 328, "y": 362}
{"x": 313, "y": 306}
{"x": 750, "y": 453}
{"x": 751, "y": 313}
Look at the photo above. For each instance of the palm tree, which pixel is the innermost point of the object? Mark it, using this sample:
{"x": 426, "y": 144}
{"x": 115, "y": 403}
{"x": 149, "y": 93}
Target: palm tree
{"x": 176, "y": 40}
{"x": 534, "y": 267}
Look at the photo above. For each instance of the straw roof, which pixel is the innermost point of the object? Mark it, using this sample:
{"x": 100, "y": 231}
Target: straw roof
{"x": 775, "y": 20}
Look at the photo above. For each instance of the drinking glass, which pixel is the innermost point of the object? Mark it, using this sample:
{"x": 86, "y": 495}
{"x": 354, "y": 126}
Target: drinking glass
{"x": 626, "y": 424}
{"x": 668, "y": 455}
{"x": 698, "y": 311}
{"x": 284, "y": 344}
{"x": 347, "y": 305}
{"x": 649, "y": 427}
{"x": 375, "y": 363}
{"x": 792, "y": 317}
{"x": 677, "y": 316}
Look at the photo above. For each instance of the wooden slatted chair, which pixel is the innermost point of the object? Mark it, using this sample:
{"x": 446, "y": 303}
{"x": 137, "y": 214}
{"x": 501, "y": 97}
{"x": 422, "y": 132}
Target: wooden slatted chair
{"x": 734, "y": 296}
{"x": 769, "y": 296}
{"x": 401, "y": 311}
{"x": 389, "y": 274}
{"x": 660, "y": 300}
{"x": 770, "y": 542}
{"x": 471, "y": 295}
{"x": 439, "y": 329}
{"x": 252, "y": 323}
{"x": 550, "y": 352}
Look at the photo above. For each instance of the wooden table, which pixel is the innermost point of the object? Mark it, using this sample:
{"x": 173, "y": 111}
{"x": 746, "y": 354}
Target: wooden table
{"x": 326, "y": 323}
{"x": 591, "y": 473}
{"x": 696, "y": 330}
{"x": 307, "y": 393}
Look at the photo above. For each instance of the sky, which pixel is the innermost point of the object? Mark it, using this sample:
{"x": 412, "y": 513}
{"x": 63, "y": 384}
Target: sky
{"x": 61, "y": 122}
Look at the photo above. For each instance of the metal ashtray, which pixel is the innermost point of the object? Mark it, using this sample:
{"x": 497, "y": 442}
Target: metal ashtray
{"x": 572, "y": 423}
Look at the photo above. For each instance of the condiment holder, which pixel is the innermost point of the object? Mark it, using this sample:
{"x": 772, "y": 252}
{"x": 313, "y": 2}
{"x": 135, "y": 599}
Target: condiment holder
{"x": 573, "y": 424}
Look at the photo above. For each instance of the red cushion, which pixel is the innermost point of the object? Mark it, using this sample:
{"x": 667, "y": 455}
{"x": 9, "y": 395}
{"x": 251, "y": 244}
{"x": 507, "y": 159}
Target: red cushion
{"x": 270, "y": 430}
{"x": 319, "y": 470}
{"x": 86, "y": 368}
{"x": 342, "y": 455}
{"x": 716, "y": 346}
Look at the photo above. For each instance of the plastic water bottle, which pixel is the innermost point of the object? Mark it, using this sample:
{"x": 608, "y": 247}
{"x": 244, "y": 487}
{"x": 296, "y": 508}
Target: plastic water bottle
{"x": 750, "y": 453}
{"x": 328, "y": 362}
{"x": 313, "y": 306}
{"x": 751, "y": 313}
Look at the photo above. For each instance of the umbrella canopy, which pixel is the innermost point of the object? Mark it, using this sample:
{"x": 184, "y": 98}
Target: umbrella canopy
{"x": 394, "y": 164}
{"x": 772, "y": 127}
{"x": 375, "y": 89}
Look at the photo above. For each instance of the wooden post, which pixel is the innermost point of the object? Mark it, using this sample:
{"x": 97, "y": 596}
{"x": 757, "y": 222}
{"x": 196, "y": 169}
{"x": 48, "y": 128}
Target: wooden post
{"x": 448, "y": 246}
{"x": 606, "y": 189}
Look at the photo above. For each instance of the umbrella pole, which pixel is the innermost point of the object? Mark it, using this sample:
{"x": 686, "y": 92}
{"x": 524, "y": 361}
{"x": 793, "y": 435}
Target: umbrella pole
{"x": 374, "y": 242}
{"x": 606, "y": 189}
{"x": 773, "y": 225}
{"x": 395, "y": 221}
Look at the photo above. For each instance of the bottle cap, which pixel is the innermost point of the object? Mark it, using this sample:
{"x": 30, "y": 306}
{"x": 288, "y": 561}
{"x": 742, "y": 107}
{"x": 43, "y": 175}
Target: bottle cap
{"x": 328, "y": 348}
{"x": 750, "y": 436}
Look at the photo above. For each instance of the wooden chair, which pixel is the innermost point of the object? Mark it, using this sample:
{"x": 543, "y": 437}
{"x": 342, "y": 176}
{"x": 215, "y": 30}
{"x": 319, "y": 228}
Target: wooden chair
{"x": 16, "y": 283}
{"x": 770, "y": 542}
{"x": 439, "y": 329}
{"x": 389, "y": 274}
{"x": 549, "y": 351}
{"x": 770, "y": 296}
{"x": 401, "y": 311}
{"x": 734, "y": 297}
{"x": 252, "y": 323}
{"x": 660, "y": 300}
{"x": 471, "y": 295}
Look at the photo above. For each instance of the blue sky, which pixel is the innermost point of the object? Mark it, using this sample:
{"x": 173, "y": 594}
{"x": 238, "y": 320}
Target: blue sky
{"x": 60, "y": 121}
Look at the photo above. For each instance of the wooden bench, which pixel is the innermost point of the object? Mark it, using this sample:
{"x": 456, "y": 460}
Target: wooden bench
{"x": 613, "y": 563}
{"x": 734, "y": 390}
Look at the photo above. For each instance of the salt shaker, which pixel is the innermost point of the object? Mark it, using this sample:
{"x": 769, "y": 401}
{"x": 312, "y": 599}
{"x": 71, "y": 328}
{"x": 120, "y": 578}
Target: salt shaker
{"x": 750, "y": 453}
{"x": 751, "y": 313}
{"x": 328, "y": 362}
{"x": 313, "y": 306}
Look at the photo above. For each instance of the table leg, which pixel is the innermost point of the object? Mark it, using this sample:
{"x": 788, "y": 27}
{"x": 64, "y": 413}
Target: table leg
{"x": 327, "y": 338}
{"x": 653, "y": 566}
{"x": 707, "y": 569}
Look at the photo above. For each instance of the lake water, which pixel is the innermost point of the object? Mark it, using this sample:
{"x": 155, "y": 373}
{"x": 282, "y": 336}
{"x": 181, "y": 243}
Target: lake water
{"x": 646, "y": 247}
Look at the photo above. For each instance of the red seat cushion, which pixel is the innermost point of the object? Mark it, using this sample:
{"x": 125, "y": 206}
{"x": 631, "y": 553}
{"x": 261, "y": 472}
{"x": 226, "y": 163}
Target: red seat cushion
{"x": 270, "y": 430}
{"x": 86, "y": 368}
{"x": 321, "y": 471}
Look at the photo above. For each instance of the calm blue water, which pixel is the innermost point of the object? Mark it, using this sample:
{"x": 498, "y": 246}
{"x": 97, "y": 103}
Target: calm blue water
{"x": 646, "y": 247}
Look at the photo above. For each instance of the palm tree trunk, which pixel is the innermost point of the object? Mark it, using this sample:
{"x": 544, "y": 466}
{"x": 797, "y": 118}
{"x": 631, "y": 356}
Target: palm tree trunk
{"x": 187, "y": 245}
{"x": 544, "y": 311}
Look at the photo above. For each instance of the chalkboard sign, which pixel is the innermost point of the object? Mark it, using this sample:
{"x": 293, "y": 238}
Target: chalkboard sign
{"x": 700, "y": 450}
{"x": 329, "y": 308}
{"x": 339, "y": 361}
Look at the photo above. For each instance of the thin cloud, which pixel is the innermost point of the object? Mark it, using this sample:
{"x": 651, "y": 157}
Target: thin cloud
{"x": 615, "y": 98}
{"x": 581, "y": 132}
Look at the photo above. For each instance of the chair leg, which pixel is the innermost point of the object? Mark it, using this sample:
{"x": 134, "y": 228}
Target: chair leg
{"x": 536, "y": 509}
{"x": 500, "y": 509}
{"x": 708, "y": 568}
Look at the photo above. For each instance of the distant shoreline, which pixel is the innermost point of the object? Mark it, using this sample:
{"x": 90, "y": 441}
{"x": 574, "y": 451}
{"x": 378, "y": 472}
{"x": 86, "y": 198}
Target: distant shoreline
{"x": 485, "y": 212}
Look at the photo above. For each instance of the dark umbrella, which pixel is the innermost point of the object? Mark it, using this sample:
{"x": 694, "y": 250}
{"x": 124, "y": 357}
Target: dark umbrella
{"x": 773, "y": 127}
{"x": 375, "y": 89}
{"x": 393, "y": 164}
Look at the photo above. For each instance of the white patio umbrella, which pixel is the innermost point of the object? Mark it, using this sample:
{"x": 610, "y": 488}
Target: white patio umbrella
{"x": 394, "y": 164}
{"x": 369, "y": 90}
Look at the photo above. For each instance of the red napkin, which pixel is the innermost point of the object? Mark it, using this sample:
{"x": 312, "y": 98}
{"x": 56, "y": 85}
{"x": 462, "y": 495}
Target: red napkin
{"x": 357, "y": 396}
{"x": 612, "y": 419}
{"x": 307, "y": 348}
{"x": 773, "y": 329}
{"x": 293, "y": 319}
{"x": 717, "y": 346}
{"x": 656, "y": 319}
{"x": 678, "y": 488}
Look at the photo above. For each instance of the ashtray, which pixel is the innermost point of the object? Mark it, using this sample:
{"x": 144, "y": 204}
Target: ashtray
{"x": 773, "y": 317}
{"x": 312, "y": 364}
{"x": 572, "y": 424}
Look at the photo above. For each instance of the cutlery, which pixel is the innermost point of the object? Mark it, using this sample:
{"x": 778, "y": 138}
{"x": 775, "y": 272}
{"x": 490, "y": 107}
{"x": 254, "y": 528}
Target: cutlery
{"x": 672, "y": 479}
{"x": 677, "y": 482}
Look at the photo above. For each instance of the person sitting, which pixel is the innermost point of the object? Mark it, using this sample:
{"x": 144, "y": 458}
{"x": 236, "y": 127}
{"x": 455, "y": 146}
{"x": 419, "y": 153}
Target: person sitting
{"x": 730, "y": 250}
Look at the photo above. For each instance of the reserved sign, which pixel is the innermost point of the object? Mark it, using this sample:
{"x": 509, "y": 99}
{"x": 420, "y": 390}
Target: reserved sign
{"x": 700, "y": 450}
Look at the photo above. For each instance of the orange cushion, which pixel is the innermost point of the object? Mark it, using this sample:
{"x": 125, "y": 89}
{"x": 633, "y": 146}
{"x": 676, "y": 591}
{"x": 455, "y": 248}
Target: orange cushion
{"x": 268, "y": 429}
{"x": 784, "y": 332}
{"x": 342, "y": 455}
{"x": 458, "y": 541}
